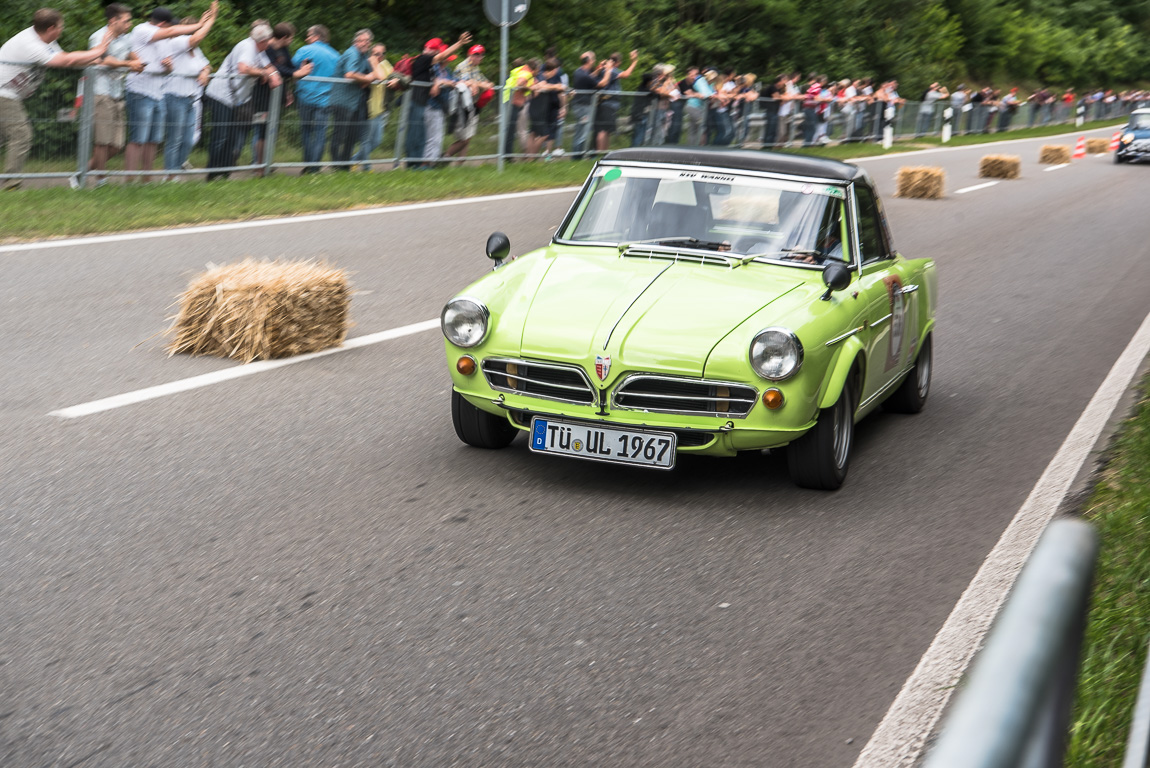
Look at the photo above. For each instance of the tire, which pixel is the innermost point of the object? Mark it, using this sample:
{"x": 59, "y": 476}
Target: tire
{"x": 477, "y": 428}
{"x": 910, "y": 397}
{"x": 820, "y": 458}
{"x": 1117, "y": 159}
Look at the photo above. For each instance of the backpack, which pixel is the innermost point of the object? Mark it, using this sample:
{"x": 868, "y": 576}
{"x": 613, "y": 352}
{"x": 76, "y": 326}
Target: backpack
{"x": 403, "y": 66}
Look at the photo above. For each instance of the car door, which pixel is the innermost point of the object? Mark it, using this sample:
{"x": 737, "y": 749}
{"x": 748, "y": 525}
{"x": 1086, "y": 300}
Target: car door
{"x": 881, "y": 283}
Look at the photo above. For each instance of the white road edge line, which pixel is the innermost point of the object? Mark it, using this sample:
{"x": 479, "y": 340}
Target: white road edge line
{"x": 216, "y": 377}
{"x": 1056, "y": 167}
{"x": 903, "y": 732}
{"x": 964, "y": 190}
{"x": 209, "y": 228}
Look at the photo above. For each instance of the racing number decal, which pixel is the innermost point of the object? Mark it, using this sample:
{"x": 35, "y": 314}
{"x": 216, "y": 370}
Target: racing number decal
{"x": 897, "y": 320}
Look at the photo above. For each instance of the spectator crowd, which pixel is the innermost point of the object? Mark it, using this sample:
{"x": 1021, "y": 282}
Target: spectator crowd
{"x": 153, "y": 87}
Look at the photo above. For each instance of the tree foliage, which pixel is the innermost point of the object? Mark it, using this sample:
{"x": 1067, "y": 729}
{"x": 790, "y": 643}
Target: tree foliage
{"x": 1058, "y": 42}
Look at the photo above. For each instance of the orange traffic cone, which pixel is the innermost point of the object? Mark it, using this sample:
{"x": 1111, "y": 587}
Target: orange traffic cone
{"x": 1079, "y": 149}
{"x": 1115, "y": 140}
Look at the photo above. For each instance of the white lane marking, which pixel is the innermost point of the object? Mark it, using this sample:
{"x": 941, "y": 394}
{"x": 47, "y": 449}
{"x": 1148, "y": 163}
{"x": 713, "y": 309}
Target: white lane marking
{"x": 1055, "y": 167}
{"x": 216, "y": 377}
{"x": 964, "y": 190}
{"x": 971, "y": 146}
{"x": 900, "y": 737}
{"x": 209, "y": 228}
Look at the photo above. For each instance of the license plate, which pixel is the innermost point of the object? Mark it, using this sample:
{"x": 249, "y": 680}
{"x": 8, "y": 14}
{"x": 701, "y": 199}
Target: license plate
{"x": 598, "y": 443}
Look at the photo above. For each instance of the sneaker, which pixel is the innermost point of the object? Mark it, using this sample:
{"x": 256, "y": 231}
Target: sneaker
{"x": 187, "y": 166}
{"x": 74, "y": 181}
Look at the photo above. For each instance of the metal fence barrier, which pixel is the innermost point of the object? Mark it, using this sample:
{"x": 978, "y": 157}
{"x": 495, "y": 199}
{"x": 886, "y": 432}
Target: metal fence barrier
{"x": 1015, "y": 708}
{"x": 1138, "y": 745}
{"x": 63, "y": 136}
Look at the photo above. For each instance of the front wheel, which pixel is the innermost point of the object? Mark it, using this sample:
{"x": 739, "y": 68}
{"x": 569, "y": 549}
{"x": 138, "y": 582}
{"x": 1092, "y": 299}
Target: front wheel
{"x": 820, "y": 458}
{"x": 910, "y": 397}
{"x": 479, "y": 428}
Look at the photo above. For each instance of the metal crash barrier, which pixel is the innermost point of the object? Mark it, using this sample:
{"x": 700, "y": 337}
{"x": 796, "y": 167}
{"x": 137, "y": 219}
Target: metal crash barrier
{"x": 1138, "y": 746}
{"x": 1014, "y": 710}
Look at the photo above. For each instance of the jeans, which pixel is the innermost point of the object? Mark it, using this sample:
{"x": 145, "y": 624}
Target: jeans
{"x": 181, "y": 128}
{"x": 371, "y": 138}
{"x": 433, "y": 122}
{"x": 416, "y": 133}
{"x": 722, "y": 128}
{"x": 675, "y": 127}
{"x": 513, "y": 113}
{"x": 770, "y": 124}
{"x": 810, "y": 120}
{"x": 347, "y": 126}
{"x": 145, "y": 119}
{"x": 313, "y": 133}
{"x": 638, "y": 128}
{"x": 695, "y": 117}
{"x": 925, "y": 122}
{"x": 222, "y": 138}
{"x": 582, "y": 113}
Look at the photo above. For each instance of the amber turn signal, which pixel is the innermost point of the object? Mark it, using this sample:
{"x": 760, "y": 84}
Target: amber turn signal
{"x": 773, "y": 399}
{"x": 466, "y": 365}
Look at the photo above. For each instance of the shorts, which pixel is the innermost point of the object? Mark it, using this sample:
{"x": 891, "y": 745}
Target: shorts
{"x": 545, "y": 128}
{"x": 606, "y": 116}
{"x": 145, "y": 119}
{"x": 466, "y": 129}
{"x": 108, "y": 122}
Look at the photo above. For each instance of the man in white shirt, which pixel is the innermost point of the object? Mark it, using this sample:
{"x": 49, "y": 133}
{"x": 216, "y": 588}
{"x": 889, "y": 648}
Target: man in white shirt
{"x": 22, "y": 62}
{"x": 145, "y": 89}
{"x": 229, "y": 91}
{"x": 108, "y": 88}
{"x": 188, "y": 70}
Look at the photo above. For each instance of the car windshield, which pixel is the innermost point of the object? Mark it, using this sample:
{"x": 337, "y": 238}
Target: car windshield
{"x": 1140, "y": 121}
{"x": 764, "y": 218}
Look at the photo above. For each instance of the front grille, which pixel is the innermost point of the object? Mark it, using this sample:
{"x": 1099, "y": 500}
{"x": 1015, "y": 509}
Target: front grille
{"x": 565, "y": 383}
{"x": 665, "y": 394}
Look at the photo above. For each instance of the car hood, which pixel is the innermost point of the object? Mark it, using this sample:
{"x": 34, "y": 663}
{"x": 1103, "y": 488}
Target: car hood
{"x": 647, "y": 314}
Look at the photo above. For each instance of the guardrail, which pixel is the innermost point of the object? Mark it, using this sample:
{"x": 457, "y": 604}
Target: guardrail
{"x": 1138, "y": 745}
{"x": 1016, "y": 705}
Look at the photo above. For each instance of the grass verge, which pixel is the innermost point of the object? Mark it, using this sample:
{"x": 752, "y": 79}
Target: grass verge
{"x": 1119, "y": 621}
{"x": 61, "y": 212}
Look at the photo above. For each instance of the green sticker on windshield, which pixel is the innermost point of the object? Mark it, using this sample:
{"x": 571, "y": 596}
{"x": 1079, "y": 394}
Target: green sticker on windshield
{"x": 613, "y": 174}
{"x": 836, "y": 192}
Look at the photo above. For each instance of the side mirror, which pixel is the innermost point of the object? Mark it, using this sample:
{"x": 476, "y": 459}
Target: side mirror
{"x": 498, "y": 247}
{"x": 836, "y": 276}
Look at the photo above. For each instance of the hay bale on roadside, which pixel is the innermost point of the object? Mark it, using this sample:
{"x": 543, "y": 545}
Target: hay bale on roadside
{"x": 1054, "y": 154}
{"x": 919, "y": 181}
{"x": 1000, "y": 167}
{"x": 1097, "y": 146}
{"x": 262, "y": 310}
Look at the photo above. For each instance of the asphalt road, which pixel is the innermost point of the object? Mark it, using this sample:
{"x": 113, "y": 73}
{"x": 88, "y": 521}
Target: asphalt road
{"x": 306, "y": 567}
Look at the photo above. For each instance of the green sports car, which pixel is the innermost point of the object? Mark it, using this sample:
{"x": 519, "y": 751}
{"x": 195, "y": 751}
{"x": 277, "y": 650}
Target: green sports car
{"x": 697, "y": 301}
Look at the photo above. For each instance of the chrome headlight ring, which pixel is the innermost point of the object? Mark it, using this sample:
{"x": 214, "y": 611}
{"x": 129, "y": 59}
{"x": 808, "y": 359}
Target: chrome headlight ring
{"x": 465, "y": 321}
{"x": 776, "y": 353}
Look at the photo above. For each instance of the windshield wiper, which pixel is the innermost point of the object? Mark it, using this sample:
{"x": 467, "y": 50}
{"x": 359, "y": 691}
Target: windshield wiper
{"x": 694, "y": 241}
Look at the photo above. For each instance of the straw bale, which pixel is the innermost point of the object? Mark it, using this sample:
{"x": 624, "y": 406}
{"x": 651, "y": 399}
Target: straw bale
{"x": 259, "y": 310}
{"x": 920, "y": 181}
{"x": 1000, "y": 167}
{"x": 1054, "y": 154}
{"x": 1097, "y": 146}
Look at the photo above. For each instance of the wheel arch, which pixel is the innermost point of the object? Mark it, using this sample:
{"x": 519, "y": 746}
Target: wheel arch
{"x": 850, "y": 359}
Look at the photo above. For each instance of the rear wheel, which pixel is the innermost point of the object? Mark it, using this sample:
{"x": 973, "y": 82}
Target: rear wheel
{"x": 479, "y": 428}
{"x": 820, "y": 458}
{"x": 910, "y": 397}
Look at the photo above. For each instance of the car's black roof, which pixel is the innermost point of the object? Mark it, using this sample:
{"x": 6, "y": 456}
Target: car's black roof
{"x": 740, "y": 159}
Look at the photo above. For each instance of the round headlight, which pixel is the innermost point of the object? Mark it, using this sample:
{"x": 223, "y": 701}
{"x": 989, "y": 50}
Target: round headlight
{"x": 776, "y": 354}
{"x": 1129, "y": 137}
{"x": 464, "y": 322}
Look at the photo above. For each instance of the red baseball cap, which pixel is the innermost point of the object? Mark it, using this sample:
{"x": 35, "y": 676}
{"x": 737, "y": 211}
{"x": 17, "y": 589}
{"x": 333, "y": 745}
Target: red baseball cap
{"x": 476, "y": 49}
{"x": 435, "y": 43}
